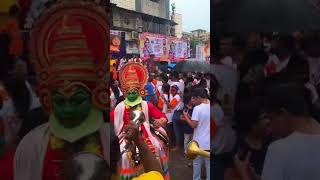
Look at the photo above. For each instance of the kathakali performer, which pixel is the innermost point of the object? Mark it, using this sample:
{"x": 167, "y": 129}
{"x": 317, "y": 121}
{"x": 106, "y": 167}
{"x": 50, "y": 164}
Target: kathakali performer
{"x": 69, "y": 44}
{"x": 133, "y": 77}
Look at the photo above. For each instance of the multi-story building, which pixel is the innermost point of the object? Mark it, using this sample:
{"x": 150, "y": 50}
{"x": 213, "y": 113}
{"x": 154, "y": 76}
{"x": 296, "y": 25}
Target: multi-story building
{"x": 197, "y": 33}
{"x": 200, "y": 40}
{"x": 204, "y": 37}
{"x": 126, "y": 4}
{"x": 137, "y": 16}
{"x": 186, "y": 36}
{"x": 177, "y": 18}
{"x": 142, "y": 16}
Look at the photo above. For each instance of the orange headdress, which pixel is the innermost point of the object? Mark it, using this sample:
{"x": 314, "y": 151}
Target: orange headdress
{"x": 133, "y": 76}
{"x": 69, "y": 44}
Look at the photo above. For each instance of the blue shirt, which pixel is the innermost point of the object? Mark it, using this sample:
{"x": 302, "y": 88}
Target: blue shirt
{"x": 150, "y": 91}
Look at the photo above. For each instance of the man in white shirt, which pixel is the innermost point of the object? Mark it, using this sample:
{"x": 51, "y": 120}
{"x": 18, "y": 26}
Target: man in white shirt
{"x": 200, "y": 121}
{"x": 296, "y": 155}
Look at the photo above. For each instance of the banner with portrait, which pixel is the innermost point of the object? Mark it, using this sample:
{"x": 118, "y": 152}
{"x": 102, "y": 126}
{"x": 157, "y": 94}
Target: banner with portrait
{"x": 162, "y": 47}
{"x": 153, "y": 44}
{"x": 203, "y": 51}
{"x": 132, "y": 47}
{"x": 115, "y": 41}
{"x": 178, "y": 50}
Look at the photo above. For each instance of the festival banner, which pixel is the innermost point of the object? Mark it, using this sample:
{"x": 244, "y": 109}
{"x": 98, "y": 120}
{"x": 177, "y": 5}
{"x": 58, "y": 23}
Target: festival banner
{"x": 164, "y": 48}
{"x": 153, "y": 44}
{"x": 115, "y": 41}
{"x": 132, "y": 48}
{"x": 178, "y": 50}
{"x": 198, "y": 52}
{"x": 203, "y": 51}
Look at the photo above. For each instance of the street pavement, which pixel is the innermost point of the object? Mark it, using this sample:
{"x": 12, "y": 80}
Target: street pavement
{"x": 179, "y": 169}
{"x": 178, "y": 166}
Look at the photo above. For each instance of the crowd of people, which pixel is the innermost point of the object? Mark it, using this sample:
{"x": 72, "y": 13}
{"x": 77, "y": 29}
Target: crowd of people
{"x": 182, "y": 97}
{"x": 54, "y": 115}
{"x": 273, "y": 131}
{"x": 49, "y": 129}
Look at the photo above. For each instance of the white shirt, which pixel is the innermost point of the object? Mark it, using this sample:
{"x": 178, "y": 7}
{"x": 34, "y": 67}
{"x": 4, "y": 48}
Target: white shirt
{"x": 35, "y": 102}
{"x": 159, "y": 86}
{"x": 283, "y": 64}
{"x": 295, "y": 157}
{"x": 225, "y": 138}
{"x": 165, "y": 109}
{"x": 179, "y": 106}
{"x": 201, "y": 133}
{"x": 182, "y": 85}
{"x": 12, "y": 123}
{"x": 280, "y": 65}
{"x": 314, "y": 70}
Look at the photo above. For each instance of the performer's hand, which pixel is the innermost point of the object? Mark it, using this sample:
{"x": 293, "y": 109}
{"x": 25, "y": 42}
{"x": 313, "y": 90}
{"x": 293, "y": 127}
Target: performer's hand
{"x": 156, "y": 123}
{"x": 159, "y": 122}
{"x": 185, "y": 114}
{"x": 131, "y": 132}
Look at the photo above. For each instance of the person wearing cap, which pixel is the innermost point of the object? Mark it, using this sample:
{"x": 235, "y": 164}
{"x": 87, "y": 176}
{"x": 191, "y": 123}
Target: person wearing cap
{"x": 69, "y": 46}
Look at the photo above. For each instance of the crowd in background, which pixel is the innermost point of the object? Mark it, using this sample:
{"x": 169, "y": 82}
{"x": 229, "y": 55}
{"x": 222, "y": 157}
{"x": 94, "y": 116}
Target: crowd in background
{"x": 174, "y": 94}
{"x": 20, "y": 107}
{"x": 272, "y": 131}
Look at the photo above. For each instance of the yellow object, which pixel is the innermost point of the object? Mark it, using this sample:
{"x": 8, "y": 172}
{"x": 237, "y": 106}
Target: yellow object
{"x": 56, "y": 143}
{"x": 92, "y": 148}
{"x": 5, "y": 5}
{"x": 193, "y": 151}
{"x": 154, "y": 175}
{"x": 112, "y": 61}
{"x": 4, "y": 9}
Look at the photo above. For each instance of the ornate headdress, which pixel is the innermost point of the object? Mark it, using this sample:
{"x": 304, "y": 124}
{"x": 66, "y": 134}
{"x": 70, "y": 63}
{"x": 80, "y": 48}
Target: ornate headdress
{"x": 69, "y": 45}
{"x": 133, "y": 76}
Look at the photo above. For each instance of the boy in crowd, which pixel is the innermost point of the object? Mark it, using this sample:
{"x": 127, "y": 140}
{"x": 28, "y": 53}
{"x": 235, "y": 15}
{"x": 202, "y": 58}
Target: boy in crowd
{"x": 200, "y": 122}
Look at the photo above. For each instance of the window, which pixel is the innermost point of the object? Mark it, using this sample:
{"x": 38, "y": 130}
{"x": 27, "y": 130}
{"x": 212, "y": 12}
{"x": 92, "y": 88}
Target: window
{"x": 156, "y": 1}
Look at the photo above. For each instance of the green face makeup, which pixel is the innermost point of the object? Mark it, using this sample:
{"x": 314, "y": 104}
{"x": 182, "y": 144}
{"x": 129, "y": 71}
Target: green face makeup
{"x": 132, "y": 95}
{"x": 72, "y": 110}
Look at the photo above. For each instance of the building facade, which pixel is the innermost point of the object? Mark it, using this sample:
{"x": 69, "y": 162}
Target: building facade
{"x": 142, "y": 16}
{"x": 198, "y": 32}
{"x": 126, "y": 4}
{"x": 177, "y": 18}
{"x": 133, "y": 17}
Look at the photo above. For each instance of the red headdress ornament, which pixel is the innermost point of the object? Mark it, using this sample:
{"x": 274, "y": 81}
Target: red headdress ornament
{"x": 134, "y": 76}
{"x": 69, "y": 45}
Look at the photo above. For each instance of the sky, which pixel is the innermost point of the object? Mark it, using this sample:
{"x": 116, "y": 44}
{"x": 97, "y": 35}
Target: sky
{"x": 195, "y": 14}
